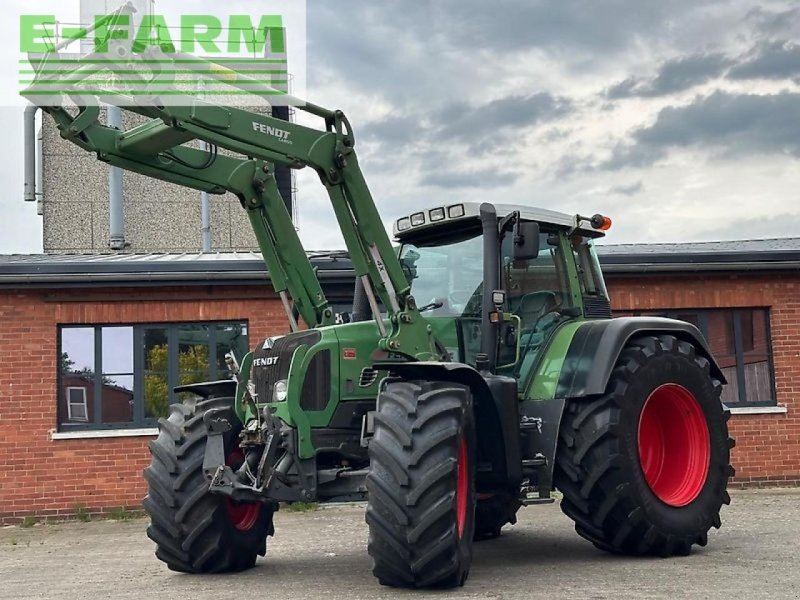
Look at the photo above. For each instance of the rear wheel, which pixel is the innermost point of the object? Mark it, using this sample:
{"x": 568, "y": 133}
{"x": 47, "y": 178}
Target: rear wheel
{"x": 644, "y": 468}
{"x": 421, "y": 504}
{"x": 196, "y": 531}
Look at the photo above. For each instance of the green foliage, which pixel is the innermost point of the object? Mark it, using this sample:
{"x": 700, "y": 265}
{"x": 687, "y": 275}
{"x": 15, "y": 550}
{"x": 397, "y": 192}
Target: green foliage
{"x": 302, "y": 507}
{"x": 28, "y": 522}
{"x": 66, "y": 363}
{"x": 156, "y": 387}
{"x": 82, "y": 514}
{"x": 119, "y": 513}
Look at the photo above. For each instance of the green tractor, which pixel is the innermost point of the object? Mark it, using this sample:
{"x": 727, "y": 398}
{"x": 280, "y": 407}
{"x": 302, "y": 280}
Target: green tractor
{"x": 480, "y": 371}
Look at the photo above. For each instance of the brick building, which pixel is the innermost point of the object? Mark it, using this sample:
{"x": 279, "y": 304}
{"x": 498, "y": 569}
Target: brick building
{"x": 90, "y": 347}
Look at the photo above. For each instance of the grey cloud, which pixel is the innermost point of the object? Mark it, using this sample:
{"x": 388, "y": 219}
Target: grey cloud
{"x": 394, "y": 129}
{"x": 774, "y": 22}
{"x": 473, "y": 123}
{"x": 431, "y": 46}
{"x": 482, "y": 178}
{"x": 761, "y": 227}
{"x": 673, "y": 76}
{"x": 627, "y": 190}
{"x": 770, "y": 60}
{"x": 735, "y": 124}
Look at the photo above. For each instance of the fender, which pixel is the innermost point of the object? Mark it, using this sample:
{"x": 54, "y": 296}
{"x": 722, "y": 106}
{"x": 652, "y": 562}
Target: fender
{"x": 496, "y": 409}
{"x": 225, "y": 388}
{"x": 596, "y": 346}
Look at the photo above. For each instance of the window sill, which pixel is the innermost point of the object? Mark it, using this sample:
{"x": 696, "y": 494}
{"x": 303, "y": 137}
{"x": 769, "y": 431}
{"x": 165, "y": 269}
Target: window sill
{"x": 759, "y": 410}
{"x": 102, "y": 433}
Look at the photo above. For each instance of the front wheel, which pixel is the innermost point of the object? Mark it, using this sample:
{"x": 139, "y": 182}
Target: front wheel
{"x": 644, "y": 468}
{"x": 421, "y": 503}
{"x": 196, "y": 531}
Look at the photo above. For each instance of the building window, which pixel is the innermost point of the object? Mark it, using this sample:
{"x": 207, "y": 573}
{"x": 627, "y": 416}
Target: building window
{"x": 740, "y": 342}
{"x": 76, "y": 404}
{"x": 117, "y": 376}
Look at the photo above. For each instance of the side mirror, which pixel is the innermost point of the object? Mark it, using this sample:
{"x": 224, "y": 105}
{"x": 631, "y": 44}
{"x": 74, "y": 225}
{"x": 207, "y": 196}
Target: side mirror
{"x": 526, "y": 241}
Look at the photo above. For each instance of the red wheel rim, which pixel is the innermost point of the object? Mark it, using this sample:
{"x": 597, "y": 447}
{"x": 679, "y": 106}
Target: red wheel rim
{"x": 242, "y": 515}
{"x": 674, "y": 444}
{"x": 462, "y": 487}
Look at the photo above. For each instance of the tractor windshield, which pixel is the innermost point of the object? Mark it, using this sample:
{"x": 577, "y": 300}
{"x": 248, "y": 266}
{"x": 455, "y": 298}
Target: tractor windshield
{"x": 446, "y": 276}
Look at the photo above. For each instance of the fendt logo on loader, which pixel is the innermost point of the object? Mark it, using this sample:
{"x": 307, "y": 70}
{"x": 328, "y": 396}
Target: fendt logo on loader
{"x": 281, "y": 134}
{"x": 268, "y": 361}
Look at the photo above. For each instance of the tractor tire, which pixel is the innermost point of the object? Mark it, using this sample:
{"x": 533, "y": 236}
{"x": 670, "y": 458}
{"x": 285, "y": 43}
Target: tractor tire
{"x": 196, "y": 531}
{"x": 421, "y": 492}
{"x": 492, "y": 513}
{"x": 644, "y": 468}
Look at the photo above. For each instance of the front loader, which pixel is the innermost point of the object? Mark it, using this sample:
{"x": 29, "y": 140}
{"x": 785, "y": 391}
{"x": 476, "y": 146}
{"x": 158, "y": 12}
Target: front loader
{"x": 481, "y": 370}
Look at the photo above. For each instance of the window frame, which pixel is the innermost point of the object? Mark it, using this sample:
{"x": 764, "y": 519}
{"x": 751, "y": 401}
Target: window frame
{"x": 738, "y": 351}
{"x": 139, "y": 420}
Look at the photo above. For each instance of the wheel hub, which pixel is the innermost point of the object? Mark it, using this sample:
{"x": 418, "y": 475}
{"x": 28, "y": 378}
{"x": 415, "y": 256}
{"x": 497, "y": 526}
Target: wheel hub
{"x": 674, "y": 446}
{"x": 462, "y": 486}
{"x": 242, "y": 515}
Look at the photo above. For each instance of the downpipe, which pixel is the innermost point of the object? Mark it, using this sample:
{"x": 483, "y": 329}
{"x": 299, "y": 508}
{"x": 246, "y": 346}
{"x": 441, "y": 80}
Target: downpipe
{"x": 116, "y": 216}
{"x": 29, "y": 152}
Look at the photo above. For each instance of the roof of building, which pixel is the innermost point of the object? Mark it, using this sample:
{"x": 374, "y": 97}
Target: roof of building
{"x": 245, "y": 267}
{"x": 733, "y": 255}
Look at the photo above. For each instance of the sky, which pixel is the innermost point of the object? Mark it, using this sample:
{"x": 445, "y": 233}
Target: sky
{"x": 680, "y": 119}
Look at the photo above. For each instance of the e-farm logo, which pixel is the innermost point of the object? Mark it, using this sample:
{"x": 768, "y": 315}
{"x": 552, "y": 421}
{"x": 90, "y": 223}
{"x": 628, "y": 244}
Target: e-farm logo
{"x": 136, "y": 52}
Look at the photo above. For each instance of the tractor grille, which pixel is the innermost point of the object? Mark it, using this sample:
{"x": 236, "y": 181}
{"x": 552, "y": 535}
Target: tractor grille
{"x": 596, "y": 308}
{"x": 271, "y": 364}
{"x": 368, "y": 377}
{"x": 317, "y": 384}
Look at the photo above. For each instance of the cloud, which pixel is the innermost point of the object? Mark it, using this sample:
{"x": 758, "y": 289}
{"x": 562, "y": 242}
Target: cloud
{"x": 483, "y": 178}
{"x": 627, "y": 190}
{"x": 675, "y": 75}
{"x": 479, "y": 123}
{"x": 730, "y": 124}
{"x": 762, "y": 227}
{"x": 771, "y": 22}
{"x": 769, "y": 60}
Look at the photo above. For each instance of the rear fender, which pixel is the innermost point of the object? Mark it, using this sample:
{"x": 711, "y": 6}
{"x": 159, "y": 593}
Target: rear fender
{"x": 596, "y": 346}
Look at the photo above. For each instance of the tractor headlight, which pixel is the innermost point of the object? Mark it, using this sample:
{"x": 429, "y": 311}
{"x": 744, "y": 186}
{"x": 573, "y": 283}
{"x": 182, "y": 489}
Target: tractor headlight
{"x": 280, "y": 390}
{"x": 418, "y": 219}
{"x": 437, "y": 214}
{"x": 456, "y": 211}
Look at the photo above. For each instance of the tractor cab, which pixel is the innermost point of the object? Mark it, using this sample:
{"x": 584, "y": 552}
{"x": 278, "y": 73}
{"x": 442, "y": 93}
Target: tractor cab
{"x": 513, "y": 273}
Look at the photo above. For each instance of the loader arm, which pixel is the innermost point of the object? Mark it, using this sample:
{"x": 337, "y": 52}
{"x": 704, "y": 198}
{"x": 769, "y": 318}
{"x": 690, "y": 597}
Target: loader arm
{"x": 159, "y": 149}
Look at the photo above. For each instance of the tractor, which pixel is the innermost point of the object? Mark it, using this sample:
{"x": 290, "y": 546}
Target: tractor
{"x": 479, "y": 370}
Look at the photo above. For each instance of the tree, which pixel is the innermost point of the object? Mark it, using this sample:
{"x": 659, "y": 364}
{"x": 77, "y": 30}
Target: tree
{"x": 192, "y": 363}
{"x": 66, "y": 363}
{"x": 68, "y": 368}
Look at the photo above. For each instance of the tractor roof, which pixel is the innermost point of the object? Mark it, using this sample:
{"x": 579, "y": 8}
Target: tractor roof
{"x": 448, "y": 216}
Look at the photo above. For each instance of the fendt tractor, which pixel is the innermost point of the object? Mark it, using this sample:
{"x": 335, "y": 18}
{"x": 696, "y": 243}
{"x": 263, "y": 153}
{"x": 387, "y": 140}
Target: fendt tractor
{"x": 480, "y": 371}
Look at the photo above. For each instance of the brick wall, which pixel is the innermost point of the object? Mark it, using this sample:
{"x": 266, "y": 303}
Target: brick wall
{"x": 50, "y": 478}
{"x": 767, "y": 448}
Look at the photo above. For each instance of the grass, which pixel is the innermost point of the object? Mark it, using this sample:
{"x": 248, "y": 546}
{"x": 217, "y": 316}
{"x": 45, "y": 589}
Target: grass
{"x": 119, "y": 513}
{"x": 28, "y": 522}
{"x": 301, "y": 507}
{"x": 82, "y": 514}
